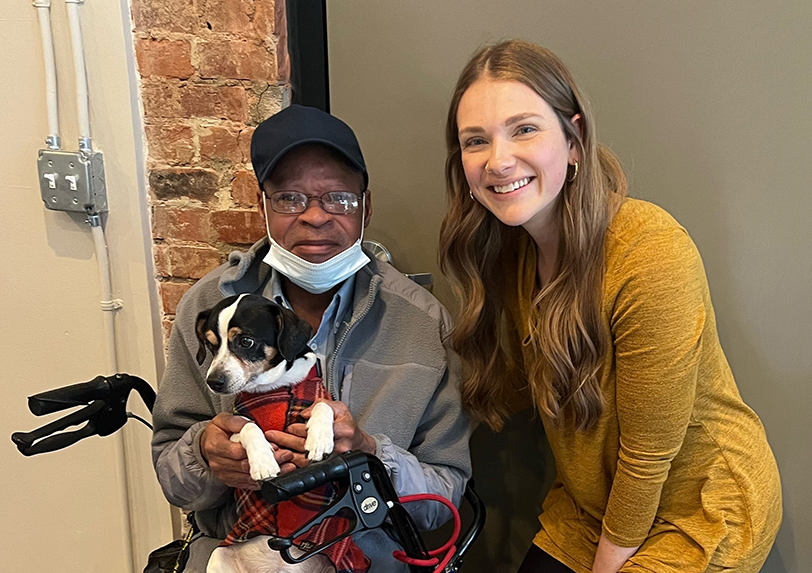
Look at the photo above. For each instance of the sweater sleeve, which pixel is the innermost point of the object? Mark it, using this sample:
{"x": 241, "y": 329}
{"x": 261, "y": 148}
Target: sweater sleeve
{"x": 182, "y": 410}
{"x": 657, "y": 322}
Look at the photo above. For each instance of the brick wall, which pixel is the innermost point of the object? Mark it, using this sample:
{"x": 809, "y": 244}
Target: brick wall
{"x": 211, "y": 70}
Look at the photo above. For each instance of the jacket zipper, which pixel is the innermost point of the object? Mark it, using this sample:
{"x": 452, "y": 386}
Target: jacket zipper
{"x": 333, "y": 359}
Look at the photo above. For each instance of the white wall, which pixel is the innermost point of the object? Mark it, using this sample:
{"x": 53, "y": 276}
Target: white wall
{"x": 65, "y": 511}
{"x": 707, "y": 104}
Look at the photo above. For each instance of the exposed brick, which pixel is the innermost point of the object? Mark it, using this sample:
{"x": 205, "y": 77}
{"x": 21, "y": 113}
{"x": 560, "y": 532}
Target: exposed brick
{"x": 185, "y": 66}
{"x": 244, "y": 141}
{"x": 172, "y": 183}
{"x": 171, "y": 294}
{"x": 265, "y": 17}
{"x": 167, "y": 15}
{"x": 244, "y": 188}
{"x": 161, "y": 98}
{"x": 166, "y": 325}
{"x": 227, "y": 15}
{"x": 161, "y": 255}
{"x": 222, "y": 102}
{"x": 282, "y": 55}
{"x": 238, "y": 226}
{"x": 264, "y": 100}
{"x": 181, "y": 223}
{"x": 168, "y": 58}
{"x": 240, "y": 60}
{"x": 220, "y": 143}
{"x": 192, "y": 262}
{"x": 170, "y": 143}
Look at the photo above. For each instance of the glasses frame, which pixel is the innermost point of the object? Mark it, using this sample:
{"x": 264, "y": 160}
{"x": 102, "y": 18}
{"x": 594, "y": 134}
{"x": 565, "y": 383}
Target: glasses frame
{"x": 309, "y": 198}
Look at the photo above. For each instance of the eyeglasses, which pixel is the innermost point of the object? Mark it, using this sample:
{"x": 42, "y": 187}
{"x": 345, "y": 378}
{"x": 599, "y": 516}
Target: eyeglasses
{"x": 334, "y": 202}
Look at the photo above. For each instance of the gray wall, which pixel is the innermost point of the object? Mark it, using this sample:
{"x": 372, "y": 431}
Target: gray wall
{"x": 708, "y": 106}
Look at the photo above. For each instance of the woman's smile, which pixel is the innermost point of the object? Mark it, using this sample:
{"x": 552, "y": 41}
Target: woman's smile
{"x": 511, "y": 187}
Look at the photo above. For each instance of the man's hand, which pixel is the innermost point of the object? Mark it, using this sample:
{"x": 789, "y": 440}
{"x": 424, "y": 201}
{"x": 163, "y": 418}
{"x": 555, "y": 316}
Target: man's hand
{"x": 228, "y": 460}
{"x": 347, "y": 435}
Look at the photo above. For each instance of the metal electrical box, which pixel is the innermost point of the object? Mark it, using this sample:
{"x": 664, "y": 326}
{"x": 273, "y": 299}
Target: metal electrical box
{"x": 72, "y": 181}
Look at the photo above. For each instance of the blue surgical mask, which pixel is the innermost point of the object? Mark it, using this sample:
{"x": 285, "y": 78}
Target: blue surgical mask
{"x": 317, "y": 278}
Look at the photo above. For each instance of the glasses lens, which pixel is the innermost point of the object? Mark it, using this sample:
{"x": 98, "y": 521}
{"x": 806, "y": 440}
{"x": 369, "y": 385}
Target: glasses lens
{"x": 288, "y": 202}
{"x": 340, "y": 202}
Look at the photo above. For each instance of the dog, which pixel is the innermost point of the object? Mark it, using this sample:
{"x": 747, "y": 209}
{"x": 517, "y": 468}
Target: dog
{"x": 260, "y": 347}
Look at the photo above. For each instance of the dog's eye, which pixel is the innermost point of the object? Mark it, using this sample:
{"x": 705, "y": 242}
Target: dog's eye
{"x": 246, "y": 342}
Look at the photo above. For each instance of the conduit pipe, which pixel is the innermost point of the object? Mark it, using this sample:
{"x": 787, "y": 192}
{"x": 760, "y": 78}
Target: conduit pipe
{"x": 44, "y": 16}
{"x": 109, "y": 305}
{"x": 82, "y": 106}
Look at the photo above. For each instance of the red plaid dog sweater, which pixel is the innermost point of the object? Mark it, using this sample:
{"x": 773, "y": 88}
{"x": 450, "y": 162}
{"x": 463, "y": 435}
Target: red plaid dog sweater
{"x": 276, "y": 411}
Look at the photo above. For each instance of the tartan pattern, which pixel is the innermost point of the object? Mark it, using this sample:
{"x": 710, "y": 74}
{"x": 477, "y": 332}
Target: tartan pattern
{"x": 276, "y": 411}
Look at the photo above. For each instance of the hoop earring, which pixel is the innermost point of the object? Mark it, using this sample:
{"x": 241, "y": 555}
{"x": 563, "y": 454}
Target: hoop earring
{"x": 574, "y": 174}
{"x": 471, "y": 194}
{"x": 487, "y": 168}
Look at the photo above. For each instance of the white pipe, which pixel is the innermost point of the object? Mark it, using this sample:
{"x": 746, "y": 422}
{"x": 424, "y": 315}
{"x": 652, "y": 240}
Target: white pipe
{"x": 110, "y": 306}
{"x": 82, "y": 106}
{"x": 44, "y": 16}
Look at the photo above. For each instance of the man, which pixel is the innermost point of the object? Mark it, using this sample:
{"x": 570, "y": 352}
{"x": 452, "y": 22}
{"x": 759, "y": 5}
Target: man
{"x": 380, "y": 337}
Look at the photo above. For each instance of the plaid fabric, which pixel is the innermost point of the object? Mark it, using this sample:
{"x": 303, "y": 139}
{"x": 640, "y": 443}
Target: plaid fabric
{"x": 276, "y": 411}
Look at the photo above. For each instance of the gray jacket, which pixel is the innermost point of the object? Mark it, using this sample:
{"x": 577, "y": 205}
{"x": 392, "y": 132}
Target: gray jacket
{"x": 391, "y": 366}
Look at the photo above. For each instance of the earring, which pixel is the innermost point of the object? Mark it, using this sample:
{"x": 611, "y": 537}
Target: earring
{"x": 574, "y": 173}
{"x": 487, "y": 168}
{"x": 471, "y": 194}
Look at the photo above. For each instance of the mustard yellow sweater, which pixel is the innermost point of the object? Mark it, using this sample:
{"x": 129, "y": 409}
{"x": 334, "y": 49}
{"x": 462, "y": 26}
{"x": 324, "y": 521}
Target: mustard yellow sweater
{"x": 677, "y": 463}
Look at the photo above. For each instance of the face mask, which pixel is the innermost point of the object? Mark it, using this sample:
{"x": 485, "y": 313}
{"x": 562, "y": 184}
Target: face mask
{"x": 316, "y": 278}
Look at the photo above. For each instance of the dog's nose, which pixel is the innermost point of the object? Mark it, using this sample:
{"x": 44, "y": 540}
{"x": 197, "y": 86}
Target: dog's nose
{"x": 216, "y": 381}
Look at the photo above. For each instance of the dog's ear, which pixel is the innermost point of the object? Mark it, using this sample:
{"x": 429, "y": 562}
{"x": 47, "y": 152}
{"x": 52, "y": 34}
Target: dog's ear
{"x": 200, "y": 330}
{"x": 293, "y": 334}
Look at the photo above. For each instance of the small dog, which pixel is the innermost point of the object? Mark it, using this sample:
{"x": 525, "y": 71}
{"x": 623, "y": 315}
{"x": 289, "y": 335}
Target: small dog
{"x": 260, "y": 347}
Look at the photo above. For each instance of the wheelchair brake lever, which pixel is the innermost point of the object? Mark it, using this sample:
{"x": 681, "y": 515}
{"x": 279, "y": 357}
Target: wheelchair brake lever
{"x": 40, "y": 440}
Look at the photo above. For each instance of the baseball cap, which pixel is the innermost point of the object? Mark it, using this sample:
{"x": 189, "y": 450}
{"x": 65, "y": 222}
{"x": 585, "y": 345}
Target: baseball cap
{"x": 297, "y": 125}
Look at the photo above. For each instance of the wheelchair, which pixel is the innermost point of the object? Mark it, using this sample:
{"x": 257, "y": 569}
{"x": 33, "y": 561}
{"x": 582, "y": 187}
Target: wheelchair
{"x": 365, "y": 497}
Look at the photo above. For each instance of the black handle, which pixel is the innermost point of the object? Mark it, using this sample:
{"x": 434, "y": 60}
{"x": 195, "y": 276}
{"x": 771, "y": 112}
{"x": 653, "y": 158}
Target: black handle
{"x": 40, "y": 440}
{"x": 50, "y": 444}
{"x": 286, "y": 486}
{"x": 69, "y": 396}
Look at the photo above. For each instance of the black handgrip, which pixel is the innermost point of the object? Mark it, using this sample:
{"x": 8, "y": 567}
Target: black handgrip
{"x": 289, "y": 485}
{"x": 28, "y": 444}
{"x": 53, "y": 443}
{"x": 69, "y": 396}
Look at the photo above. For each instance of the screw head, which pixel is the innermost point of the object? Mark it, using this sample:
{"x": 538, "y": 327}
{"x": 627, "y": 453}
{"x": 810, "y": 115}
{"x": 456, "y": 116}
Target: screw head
{"x": 75, "y": 200}
{"x": 53, "y": 199}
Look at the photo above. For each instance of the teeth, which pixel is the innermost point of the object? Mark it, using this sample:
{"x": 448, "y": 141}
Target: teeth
{"x": 511, "y": 186}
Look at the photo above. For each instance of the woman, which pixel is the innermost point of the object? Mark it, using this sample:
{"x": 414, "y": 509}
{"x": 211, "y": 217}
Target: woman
{"x": 595, "y": 307}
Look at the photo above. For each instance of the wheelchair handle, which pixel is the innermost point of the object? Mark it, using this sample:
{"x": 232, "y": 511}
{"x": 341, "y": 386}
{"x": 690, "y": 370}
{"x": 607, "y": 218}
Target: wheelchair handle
{"x": 110, "y": 389}
{"x": 69, "y": 396}
{"x": 287, "y": 486}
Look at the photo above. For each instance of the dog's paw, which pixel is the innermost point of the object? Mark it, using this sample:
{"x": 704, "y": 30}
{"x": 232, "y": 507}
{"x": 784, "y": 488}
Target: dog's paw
{"x": 263, "y": 466}
{"x": 261, "y": 460}
{"x": 320, "y": 438}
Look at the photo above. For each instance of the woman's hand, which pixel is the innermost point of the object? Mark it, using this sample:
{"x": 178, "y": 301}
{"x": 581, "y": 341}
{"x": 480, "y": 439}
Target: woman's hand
{"x": 610, "y": 557}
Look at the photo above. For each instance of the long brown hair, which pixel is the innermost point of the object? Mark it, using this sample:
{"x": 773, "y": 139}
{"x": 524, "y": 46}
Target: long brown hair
{"x": 551, "y": 337}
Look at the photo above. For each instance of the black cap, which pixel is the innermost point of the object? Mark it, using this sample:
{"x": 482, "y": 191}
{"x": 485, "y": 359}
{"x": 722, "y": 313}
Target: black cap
{"x": 297, "y": 125}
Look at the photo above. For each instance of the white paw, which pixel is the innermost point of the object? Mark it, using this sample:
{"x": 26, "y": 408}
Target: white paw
{"x": 263, "y": 466}
{"x": 261, "y": 460}
{"x": 320, "y": 439}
